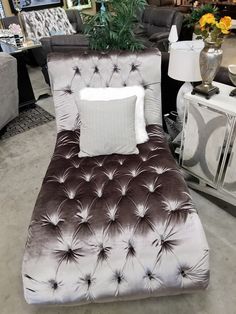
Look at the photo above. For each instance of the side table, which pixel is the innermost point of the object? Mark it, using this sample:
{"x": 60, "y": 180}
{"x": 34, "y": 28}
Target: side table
{"x": 26, "y": 93}
{"x": 208, "y": 146}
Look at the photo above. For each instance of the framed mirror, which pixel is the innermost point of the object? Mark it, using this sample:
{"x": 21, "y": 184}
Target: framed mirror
{"x": 79, "y": 4}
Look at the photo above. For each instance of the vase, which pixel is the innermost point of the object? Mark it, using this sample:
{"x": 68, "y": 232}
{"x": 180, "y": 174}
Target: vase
{"x": 210, "y": 61}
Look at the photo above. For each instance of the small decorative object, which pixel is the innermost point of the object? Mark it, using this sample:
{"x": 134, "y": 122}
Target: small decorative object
{"x": 79, "y": 4}
{"x": 102, "y": 10}
{"x": 232, "y": 76}
{"x": 184, "y": 66}
{"x": 173, "y": 36}
{"x": 15, "y": 29}
{"x": 18, "y": 9}
{"x": 212, "y": 30}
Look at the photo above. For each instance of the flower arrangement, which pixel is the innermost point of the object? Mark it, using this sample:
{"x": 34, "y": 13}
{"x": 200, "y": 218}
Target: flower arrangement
{"x": 192, "y": 19}
{"x": 15, "y": 29}
{"x": 213, "y": 29}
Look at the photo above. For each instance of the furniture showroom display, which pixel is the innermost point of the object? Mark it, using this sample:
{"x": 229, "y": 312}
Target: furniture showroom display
{"x": 111, "y": 227}
{"x": 208, "y": 149}
{"x": 8, "y": 89}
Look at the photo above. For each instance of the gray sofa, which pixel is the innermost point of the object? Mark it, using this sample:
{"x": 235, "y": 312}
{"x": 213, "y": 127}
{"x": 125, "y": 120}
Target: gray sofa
{"x": 9, "y": 102}
{"x": 155, "y": 25}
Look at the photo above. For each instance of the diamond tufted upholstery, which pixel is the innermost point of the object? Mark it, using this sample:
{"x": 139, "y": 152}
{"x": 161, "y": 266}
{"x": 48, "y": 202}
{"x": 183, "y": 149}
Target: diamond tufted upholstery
{"x": 71, "y": 72}
{"x": 113, "y": 227}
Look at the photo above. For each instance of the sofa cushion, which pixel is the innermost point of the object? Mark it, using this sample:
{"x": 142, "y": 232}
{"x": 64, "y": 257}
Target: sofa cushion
{"x": 111, "y": 93}
{"x": 107, "y": 127}
{"x": 43, "y": 23}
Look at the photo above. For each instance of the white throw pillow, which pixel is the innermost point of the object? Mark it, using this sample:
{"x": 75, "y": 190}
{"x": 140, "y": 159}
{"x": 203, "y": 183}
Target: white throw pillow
{"x": 110, "y": 93}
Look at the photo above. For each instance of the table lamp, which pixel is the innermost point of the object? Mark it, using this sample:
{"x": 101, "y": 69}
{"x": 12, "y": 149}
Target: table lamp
{"x": 184, "y": 66}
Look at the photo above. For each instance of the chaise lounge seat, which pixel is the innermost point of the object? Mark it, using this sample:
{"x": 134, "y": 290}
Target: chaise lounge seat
{"x": 111, "y": 227}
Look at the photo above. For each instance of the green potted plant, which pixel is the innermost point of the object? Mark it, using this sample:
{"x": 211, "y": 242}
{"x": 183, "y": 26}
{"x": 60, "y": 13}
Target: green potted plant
{"x": 192, "y": 19}
{"x": 113, "y": 28}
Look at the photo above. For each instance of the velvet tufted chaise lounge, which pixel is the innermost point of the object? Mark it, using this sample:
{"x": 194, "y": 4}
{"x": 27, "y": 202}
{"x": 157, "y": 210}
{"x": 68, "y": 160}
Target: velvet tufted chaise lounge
{"x": 112, "y": 227}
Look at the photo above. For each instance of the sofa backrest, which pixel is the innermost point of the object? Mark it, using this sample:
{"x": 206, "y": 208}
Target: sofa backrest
{"x": 158, "y": 20}
{"x": 167, "y": 3}
{"x": 69, "y": 73}
{"x": 159, "y": 3}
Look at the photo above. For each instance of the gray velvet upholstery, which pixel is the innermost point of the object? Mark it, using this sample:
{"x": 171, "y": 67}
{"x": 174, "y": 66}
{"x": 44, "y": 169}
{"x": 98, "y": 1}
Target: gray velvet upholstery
{"x": 117, "y": 227}
{"x": 9, "y": 103}
{"x": 71, "y": 72}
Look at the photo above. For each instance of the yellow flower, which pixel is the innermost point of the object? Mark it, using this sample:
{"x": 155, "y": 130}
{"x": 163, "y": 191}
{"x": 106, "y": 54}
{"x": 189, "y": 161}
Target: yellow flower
{"x": 207, "y": 19}
{"x": 224, "y": 24}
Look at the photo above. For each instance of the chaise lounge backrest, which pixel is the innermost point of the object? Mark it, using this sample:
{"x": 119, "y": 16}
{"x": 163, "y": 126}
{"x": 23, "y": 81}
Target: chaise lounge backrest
{"x": 69, "y": 73}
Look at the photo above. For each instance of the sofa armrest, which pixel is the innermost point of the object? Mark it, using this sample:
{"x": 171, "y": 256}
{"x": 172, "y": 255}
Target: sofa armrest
{"x": 75, "y": 20}
{"x": 46, "y": 43}
{"x": 222, "y": 76}
{"x": 159, "y": 36}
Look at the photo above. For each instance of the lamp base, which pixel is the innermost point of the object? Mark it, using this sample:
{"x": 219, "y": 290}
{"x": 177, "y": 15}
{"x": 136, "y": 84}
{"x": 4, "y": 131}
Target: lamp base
{"x": 180, "y": 102}
{"x": 233, "y": 93}
{"x": 206, "y": 90}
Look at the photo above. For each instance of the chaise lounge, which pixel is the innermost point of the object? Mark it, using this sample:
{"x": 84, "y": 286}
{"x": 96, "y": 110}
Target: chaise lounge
{"x": 115, "y": 227}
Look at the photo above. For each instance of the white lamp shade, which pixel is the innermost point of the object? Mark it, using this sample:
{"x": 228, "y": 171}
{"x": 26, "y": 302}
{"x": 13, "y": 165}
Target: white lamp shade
{"x": 173, "y": 36}
{"x": 184, "y": 61}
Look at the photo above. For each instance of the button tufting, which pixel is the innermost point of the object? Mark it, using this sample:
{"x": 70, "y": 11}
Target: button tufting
{"x": 53, "y": 219}
{"x": 54, "y": 285}
{"x": 61, "y": 180}
{"x": 96, "y": 69}
{"x": 87, "y": 176}
{"x": 141, "y": 210}
{"x": 152, "y": 186}
{"x": 70, "y": 194}
{"x": 134, "y": 67}
{"x": 116, "y": 68}
{"x": 67, "y": 90}
{"x": 183, "y": 274}
{"x": 99, "y": 190}
{"x": 77, "y": 70}
{"x": 112, "y": 226}
{"x": 118, "y": 277}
